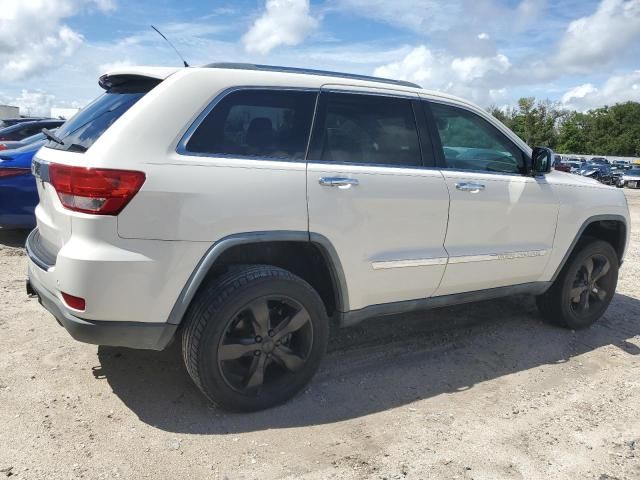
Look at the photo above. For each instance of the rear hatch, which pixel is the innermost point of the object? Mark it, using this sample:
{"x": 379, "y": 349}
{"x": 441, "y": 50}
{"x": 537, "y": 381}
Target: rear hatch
{"x": 72, "y": 141}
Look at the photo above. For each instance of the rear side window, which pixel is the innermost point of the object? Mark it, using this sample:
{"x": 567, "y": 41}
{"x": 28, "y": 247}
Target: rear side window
{"x": 369, "y": 129}
{"x": 257, "y": 123}
{"x": 84, "y": 128}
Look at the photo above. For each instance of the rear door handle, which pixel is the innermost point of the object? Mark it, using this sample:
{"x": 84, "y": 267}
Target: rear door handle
{"x": 470, "y": 187}
{"x": 340, "y": 182}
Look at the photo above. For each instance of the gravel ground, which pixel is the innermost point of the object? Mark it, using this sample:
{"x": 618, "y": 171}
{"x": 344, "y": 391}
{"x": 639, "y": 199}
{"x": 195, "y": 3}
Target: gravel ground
{"x": 480, "y": 391}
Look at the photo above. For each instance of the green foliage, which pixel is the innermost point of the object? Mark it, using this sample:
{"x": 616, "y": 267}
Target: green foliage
{"x": 604, "y": 131}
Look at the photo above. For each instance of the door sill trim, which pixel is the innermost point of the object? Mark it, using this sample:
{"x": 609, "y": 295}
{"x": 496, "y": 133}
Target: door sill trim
{"x": 396, "y": 308}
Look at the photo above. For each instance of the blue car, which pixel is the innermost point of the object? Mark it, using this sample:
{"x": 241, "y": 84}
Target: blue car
{"x": 18, "y": 193}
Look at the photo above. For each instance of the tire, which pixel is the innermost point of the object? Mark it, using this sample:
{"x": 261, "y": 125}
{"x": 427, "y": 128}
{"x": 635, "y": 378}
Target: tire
{"x": 251, "y": 309}
{"x": 577, "y": 299}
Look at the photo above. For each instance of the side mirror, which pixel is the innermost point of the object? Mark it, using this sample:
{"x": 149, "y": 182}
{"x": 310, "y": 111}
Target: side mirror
{"x": 541, "y": 160}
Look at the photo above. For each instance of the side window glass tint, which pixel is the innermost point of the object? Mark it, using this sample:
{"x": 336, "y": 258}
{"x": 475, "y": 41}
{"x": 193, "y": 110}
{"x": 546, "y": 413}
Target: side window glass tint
{"x": 257, "y": 123}
{"x": 370, "y": 129}
{"x": 469, "y": 142}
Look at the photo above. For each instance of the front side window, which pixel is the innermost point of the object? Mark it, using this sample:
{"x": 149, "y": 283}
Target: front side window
{"x": 257, "y": 123}
{"x": 469, "y": 142}
{"x": 370, "y": 129}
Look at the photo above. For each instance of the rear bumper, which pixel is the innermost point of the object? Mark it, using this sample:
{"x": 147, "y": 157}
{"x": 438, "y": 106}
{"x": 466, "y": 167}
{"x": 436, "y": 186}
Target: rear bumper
{"x": 141, "y": 335}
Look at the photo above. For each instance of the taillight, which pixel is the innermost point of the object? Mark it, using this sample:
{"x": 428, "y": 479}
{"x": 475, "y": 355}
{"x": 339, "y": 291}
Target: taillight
{"x": 13, "y": 172}
{"x": 3, "y": 146}
{"x": 100, "y": 191}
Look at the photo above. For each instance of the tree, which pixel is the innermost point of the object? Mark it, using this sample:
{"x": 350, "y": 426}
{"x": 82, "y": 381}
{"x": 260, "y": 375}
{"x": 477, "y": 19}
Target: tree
{"x": 603, "y": 131}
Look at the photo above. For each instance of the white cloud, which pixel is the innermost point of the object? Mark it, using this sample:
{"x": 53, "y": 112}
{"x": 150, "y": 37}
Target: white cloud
{"x": 33, "y": 37}
{"x": 417, "y": 66}
{"x": 617, "y": 89}
{"x": 601, "y": 38}
{"x": 471, "y": 68}
{"x": 470, "y": 77}
{"x": 579, "y": 92}
{"x": 420, "y": 16}
{"x": 32, "y": 103}
{"x": 483, "y": 36}
{"x": 284, "y": 22}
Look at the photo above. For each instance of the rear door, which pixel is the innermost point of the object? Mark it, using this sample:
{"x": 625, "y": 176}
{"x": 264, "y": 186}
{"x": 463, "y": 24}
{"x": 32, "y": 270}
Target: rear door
{"x": 501, "y": 222}
{"x": 373, "y": 195}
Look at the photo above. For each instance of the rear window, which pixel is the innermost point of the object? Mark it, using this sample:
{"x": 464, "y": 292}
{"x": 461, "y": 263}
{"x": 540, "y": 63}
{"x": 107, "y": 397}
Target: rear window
{"x": 83, "y": 129}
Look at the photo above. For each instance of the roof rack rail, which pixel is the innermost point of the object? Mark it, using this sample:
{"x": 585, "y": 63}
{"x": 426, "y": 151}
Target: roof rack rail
{"x": 308, "y": 71}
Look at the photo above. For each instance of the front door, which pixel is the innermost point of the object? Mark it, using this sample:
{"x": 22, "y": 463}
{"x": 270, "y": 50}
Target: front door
{"x": 371, "y": 196}
{"x": 501, "y": 222}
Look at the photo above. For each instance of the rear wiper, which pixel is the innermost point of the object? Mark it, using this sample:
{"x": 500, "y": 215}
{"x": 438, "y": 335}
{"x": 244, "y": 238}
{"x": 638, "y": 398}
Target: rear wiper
{"x": 74, "y": 147}
{"x": 51, "y": 136}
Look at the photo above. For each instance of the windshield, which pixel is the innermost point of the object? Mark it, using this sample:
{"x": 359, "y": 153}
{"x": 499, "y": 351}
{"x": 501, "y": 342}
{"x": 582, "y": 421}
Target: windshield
{"x": 83, "y": 129}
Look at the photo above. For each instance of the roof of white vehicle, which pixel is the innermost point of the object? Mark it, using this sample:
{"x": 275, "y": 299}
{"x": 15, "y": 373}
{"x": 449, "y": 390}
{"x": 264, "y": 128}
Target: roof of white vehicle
{"x": 161, "y": 73}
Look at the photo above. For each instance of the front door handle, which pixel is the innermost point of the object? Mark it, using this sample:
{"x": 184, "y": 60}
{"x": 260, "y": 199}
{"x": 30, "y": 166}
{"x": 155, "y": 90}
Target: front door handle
{"x": 340, "y": 182}
{"x": 470, "y": 187}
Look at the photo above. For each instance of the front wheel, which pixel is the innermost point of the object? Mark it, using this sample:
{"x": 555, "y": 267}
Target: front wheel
{"x": 254, "y": 337}
{"x": 585, "y": 287}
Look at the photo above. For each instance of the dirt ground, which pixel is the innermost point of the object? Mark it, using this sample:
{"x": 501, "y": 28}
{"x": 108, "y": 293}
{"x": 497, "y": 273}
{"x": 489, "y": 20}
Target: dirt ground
{"x": 480, "y": 391}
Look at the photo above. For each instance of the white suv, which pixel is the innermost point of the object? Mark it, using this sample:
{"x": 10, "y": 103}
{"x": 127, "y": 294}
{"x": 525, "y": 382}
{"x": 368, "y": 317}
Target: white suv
{"x": 242, "y": 209}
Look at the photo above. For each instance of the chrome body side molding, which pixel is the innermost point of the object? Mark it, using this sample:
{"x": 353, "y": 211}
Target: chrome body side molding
{"x": 428, "y": 262}
{"x": 418, "y": 262}
{"x": 497, "y": 256}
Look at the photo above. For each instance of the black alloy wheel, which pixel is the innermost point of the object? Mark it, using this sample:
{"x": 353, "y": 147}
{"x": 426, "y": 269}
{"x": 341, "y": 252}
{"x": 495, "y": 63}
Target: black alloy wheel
{"x": 591, "y": 285}
{"x": 267, "y": 340}
{"x": 583, "y": 290}
{"x": 254, "y": 337}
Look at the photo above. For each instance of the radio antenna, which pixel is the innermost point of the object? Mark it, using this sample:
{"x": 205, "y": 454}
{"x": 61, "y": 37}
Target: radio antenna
{"x": 171, "y": 45}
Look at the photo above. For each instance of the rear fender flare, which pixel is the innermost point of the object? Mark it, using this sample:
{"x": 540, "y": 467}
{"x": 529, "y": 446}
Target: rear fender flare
{"x": 205, "y": 264}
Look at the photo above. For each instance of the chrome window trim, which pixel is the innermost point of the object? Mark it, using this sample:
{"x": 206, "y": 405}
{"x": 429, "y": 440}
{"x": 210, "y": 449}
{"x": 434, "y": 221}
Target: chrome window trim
{"x": 488, "y": 172}
{"x": 377, "y": 165}
{"x": 181, "y": 148}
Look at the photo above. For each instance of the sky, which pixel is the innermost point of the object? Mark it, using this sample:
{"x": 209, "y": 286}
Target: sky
{"x": 582, "y": 54}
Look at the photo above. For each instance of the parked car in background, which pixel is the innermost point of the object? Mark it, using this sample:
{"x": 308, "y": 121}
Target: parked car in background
{"x": 599, "y": 161}
{"x": 631, "y": 178}
{"x": 12, "y": 144}
{"x": 621, "y": 164}
{"x": 617, "y": 174}
{"x": 574, "y": 166}
{"x": 598, "y": 171}
{"x": 18, "y": 192}
{"x": 23, "y": 130}
{"x": 563, "y": 167}
{"x": 7, "y": 122}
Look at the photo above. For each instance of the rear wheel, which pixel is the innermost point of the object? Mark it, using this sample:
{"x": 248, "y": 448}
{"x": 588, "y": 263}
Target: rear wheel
{"x": 254, "y": 337}
{"x": 585, "y": 287}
